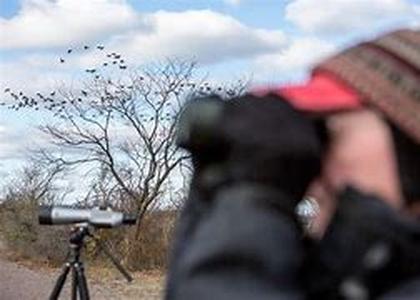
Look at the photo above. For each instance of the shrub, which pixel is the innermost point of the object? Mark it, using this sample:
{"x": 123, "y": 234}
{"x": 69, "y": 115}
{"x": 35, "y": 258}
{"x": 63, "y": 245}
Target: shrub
{"x": 27, "y": 239}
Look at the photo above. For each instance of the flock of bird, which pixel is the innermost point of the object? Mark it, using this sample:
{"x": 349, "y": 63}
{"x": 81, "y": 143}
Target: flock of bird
{"x": 57, "y": 103}
{"x": 114, "y": 58}
{"x": 52, "y": 101}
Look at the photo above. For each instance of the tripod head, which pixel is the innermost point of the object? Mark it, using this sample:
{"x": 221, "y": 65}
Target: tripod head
{"x": 77, "y": 239}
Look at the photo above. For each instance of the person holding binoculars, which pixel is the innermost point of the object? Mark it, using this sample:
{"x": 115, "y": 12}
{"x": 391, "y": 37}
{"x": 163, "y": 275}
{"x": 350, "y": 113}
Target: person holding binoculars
{"x": 350, "y": 137}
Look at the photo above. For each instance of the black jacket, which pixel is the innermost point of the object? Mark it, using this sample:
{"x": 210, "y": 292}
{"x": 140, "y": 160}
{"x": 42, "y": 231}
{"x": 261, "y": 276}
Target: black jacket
{"x": 241, "y": 246}
{"x": 238, "y": 237}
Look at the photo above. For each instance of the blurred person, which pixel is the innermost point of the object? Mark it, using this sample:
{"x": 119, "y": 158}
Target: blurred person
{"x": 370, "y": 96}
{"x": 350, "y": 137}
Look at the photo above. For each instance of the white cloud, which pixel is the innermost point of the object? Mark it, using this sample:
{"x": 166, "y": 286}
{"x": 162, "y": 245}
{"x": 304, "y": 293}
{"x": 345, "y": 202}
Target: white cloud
{"x": 301, "y": 54}
{"x": 45, "y": 23}
{"x": 416, "y": 21}
{"x": 233, "y": 2}
{"x": 203, "y": 35}
{"x": 206, "y": 36}
{"x": 342, "y": 16}
{"x": 10, "y": 144}
{"x": 30, "y": 74}
{"x": 16, "y": 142}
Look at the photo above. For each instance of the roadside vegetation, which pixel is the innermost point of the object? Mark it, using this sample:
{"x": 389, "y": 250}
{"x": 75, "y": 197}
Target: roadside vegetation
{"x": 112, "y": 129}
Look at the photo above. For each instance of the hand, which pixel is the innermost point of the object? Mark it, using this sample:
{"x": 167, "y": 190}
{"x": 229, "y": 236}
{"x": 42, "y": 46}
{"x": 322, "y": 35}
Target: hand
{"x": 361, "y": 154}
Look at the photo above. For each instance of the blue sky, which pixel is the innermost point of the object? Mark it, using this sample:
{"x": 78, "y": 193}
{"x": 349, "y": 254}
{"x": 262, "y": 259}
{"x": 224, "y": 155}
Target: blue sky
{"x": 266, "y": 40}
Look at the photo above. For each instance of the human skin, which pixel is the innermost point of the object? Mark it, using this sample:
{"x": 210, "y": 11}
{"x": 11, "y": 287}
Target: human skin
{"x": 360, "y": 154}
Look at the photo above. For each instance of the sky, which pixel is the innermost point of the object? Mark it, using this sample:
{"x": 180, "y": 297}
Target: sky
{"x": 268, "y": 41}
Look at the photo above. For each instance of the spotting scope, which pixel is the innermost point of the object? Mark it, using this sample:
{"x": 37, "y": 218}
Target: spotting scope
{"x": 61, "y": 215}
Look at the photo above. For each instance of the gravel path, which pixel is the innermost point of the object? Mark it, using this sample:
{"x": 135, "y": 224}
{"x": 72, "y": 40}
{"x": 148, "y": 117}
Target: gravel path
{"x": 18, "y": 282}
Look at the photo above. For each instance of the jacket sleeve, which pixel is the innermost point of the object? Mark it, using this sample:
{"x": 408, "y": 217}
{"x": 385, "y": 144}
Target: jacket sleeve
{"x": 409, "y": 290}
{"x": 241, "y": 245}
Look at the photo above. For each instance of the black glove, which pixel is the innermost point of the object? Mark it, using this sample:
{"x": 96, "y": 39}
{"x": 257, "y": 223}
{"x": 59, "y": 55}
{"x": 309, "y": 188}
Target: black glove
{"x": 250, "y": 140}
{"x": 368, "y": 250}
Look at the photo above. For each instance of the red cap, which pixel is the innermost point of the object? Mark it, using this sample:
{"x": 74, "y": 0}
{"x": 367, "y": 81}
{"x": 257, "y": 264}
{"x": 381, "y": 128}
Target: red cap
{"x": 322, "y": 93}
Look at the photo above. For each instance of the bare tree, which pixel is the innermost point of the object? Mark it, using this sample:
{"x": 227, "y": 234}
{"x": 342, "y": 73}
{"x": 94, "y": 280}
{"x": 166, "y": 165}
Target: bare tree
{"x": 121, "y": 125}
{"x": 34, "y": 185}
{"x": 126, "y": 128}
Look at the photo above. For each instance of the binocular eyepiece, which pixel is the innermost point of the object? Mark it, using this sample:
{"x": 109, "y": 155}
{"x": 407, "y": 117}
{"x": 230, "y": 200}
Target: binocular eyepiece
{"x": 60, "y": 215}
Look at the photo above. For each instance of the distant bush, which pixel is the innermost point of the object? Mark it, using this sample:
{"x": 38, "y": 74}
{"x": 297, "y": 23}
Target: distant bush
{"x": 150, "y": 250}
{"x": 27, "y": 239}
{"x": 139, "y": 247}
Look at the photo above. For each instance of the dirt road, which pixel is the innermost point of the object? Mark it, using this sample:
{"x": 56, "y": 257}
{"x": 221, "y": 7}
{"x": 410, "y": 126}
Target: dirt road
{"x": 20, "y": 282}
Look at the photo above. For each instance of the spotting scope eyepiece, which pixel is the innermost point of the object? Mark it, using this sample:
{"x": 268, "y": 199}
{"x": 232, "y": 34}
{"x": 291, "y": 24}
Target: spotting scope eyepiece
{"x": 61, "y": 215}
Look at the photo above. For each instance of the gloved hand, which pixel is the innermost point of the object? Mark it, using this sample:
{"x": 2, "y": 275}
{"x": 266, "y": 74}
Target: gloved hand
{"x": 368, "y": 250}
{"x": 250, "y": 140}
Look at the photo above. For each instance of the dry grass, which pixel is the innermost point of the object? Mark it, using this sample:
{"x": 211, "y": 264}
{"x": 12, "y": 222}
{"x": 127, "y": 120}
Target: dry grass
{"x": 146, "y": 285}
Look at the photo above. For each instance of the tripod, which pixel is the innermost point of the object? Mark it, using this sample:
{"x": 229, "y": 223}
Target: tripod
{"x": 75, "y": 265}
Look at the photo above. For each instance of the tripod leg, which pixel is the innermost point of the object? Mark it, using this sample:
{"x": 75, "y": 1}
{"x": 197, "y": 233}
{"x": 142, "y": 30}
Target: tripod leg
{"x": 102, "y": 246}
{"x": 74, "y": 284}
{"x": 60, "y": 282}
{"x": 81, "y": 282}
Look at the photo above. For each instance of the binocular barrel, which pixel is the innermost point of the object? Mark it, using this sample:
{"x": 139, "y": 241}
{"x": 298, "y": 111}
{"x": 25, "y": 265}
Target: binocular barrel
{"x": 198, "y": 124}
{"x": 58, "y": 215}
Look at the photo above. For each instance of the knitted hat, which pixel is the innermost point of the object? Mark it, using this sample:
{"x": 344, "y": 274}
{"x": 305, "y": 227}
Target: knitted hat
{"x": 383, "y": 74}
